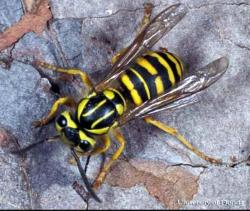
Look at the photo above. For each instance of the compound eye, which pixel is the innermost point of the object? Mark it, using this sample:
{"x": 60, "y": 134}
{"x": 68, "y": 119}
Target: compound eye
{"x": 62, "y": 121}
{"x": 85, "y": 145}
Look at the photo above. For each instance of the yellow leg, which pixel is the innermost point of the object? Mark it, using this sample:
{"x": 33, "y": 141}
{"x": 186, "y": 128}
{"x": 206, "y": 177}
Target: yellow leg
{"x": 84, "y": 76}
{"x": 100, "y": 178}
{"x": 61, "y": 101}
{"x": 175, "y": 133}
{"x": 103, "y": 148}
{"x": 117, "y": 56}
{"x": 148, "y": 7}
{"x": 146, "y": 19}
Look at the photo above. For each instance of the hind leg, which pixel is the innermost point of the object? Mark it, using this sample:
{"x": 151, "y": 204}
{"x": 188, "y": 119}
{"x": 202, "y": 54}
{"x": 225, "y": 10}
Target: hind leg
{"x": 180, "y": 138}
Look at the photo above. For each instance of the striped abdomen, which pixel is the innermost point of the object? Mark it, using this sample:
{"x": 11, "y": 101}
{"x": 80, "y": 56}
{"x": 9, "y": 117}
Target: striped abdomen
{"x": 98, "y": 113}
{"x": 151, "y": 75}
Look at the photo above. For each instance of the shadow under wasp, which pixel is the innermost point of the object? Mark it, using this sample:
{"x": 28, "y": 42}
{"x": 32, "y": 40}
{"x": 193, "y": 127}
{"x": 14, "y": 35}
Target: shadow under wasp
{"x": 141, "y": 82}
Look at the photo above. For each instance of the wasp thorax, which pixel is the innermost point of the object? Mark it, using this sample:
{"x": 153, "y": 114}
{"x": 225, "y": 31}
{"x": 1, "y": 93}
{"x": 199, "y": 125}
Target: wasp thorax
{"x": 98, "y": 113}
{"x": 71, "y": 135}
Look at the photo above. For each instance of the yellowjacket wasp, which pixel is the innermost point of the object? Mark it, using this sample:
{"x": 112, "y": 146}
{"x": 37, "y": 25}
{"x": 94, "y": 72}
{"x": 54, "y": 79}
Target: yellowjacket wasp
{"x": 141, "y": 82}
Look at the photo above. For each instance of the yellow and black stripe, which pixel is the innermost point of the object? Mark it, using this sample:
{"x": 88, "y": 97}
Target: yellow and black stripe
{"x": 151, "y": 75}
{"x": 97, "y": 113}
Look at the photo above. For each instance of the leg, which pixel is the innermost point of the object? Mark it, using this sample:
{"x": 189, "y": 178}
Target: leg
{"x": 61, "y": 101}
{"x": 104, "y": 148}
{"x": 84, "y": 77}
{"x": 100, "y": 178}
{"x": 146, "y": 19}
{"x": 175, "y": 133}
{"x": 148, "y": 7}
{"x": 117, "y": 55}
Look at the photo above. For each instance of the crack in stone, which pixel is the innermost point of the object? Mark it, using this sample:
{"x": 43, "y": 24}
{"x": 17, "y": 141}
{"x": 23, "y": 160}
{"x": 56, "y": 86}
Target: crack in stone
{"x": 240, "y": 45}
{"x": 244, "y": 162}
{"x": 200, "y": 174}
{"x": 23, "y": 6}
{"x": 217, "y": 3}
{"x": 74, "y": 57}
{"x": 110, "y": 15}
{"x": 54, "y": 37}
{"x": 222, "y": 37}
{"x": 23, "y": 169}
{"x": 190, "y": 165}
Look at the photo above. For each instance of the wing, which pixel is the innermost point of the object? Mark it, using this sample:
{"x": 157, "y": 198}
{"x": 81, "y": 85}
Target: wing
{"x": 154, "y": 31}
{"x": 186, "y": 92}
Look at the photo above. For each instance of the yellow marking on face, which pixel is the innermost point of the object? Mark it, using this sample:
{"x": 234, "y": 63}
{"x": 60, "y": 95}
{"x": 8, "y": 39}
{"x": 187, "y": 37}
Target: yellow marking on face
{"x": 127, "y": 82}
{"x": 166, "y": 65}
{"x": 147, "y": 65}
{"x": 83, "y": 136}
{"x": 58, "y": 128}
{"x": 70, "y": 122}
{"x": 178, "y": 67}
{"x": 136, "y": 97}
{"x": 98, "y": 131}
{"x": 119, "y": 108}
{"x": 109, "y": 94}
{"x": 95, "y": 108}
{"x": 81, "y": 107}
{"x": 115, "y": 124}
{"x": 159, "y": 85}
{"x": 102, "y": 118}
{"x": 143, "y": 81}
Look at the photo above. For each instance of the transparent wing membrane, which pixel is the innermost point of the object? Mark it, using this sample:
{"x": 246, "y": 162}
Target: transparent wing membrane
{"x": 162, "y": 24}
{"x": 177, "y": 104}
{"x": 183, "y": 94}
{"x": 145, "y": 40}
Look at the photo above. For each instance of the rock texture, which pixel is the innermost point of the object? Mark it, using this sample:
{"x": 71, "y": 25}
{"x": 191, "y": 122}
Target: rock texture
{"x": 86, "y": 34}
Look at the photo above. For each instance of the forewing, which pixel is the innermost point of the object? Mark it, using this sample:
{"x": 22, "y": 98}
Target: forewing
{"x": 186, "y": 92}
{"x": 154, "y": 31}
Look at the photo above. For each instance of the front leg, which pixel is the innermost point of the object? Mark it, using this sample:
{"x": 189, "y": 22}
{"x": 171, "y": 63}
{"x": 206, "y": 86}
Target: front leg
{"x": 70, "y": 71}
{"x": 102, "y": 175}
{"x": 52, "y": 113}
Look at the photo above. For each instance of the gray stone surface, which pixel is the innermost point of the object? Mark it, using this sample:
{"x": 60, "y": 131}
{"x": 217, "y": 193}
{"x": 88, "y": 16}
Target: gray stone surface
{"x": 86, "y": 35}
{"x": 11, "y": 12}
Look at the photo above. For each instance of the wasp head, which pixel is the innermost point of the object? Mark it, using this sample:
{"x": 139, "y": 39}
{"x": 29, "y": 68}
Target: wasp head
{"x": 71, "y": 135}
